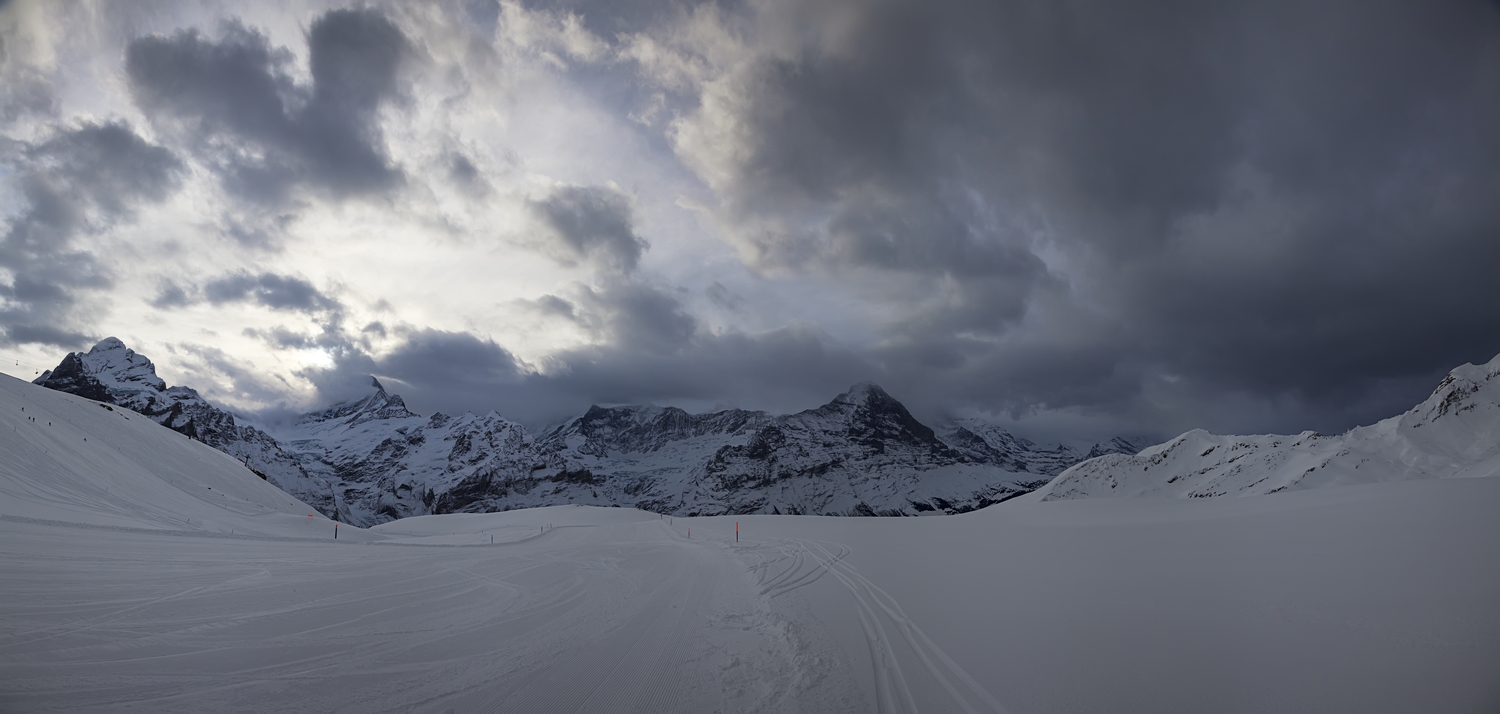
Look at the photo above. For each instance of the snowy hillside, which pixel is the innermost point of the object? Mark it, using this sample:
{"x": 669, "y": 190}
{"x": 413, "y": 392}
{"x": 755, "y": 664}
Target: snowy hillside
{"x": 73, "y": 460}
{"x": 1455, "y": 433}
{"x": 371, "y": 459}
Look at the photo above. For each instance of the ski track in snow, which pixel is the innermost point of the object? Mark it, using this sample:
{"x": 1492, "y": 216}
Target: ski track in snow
{"x": 879, "y": 613}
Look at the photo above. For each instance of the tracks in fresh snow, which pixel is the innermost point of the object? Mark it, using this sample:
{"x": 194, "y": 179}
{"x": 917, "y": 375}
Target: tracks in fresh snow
{"x": 801, "y": 563}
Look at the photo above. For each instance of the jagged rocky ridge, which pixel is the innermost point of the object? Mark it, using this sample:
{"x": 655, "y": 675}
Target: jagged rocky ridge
{"x": 370, "y": 460}
{"x": 1455, "y": 433}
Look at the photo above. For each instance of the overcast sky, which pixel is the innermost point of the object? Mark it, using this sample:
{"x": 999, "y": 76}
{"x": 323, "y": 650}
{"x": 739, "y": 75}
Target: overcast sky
{"x": 1081, "y": 218}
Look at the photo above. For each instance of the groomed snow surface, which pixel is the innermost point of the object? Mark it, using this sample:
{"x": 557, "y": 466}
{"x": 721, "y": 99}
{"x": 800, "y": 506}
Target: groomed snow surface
{"x": 142, "y": 571}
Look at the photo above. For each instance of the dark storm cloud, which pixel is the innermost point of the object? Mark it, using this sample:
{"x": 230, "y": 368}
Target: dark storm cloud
{"x": 84, "y": 179}
{"x": 434, "y": 359}
{"x": 264, "y": 133}
{"x": 438, "y": 370}
{"x": 278, "y": 292}
{"x": 1296, "y": 201}
{"x": 639, "y": 317}
{"x": 592, "y": 223}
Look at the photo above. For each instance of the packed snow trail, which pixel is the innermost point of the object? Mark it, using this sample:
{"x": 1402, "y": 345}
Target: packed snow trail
{"x": 142, "y": 571}
{"x": 620, "y": 615}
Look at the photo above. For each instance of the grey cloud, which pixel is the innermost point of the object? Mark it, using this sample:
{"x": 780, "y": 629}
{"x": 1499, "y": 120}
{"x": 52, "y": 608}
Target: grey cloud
{"x": 462, "y": 170}
{"x": 638, "y": 317}
{"x": 264, "y": 133}
{"x": 281, "y": 337}
{"x": 171, "y": 295}
{"x": 436, "y": 370}
{"x": 438, "y": 359}
{"x": 592, "y": 223}
{"x": 45, "y": 335}
{"x": 82, "y": 180}
{"x": 1296, "y": 201}
{"x": 722, "y": 296}
{"x": 211, "y": 366}
{"x": 264, "y": 234}
{"x": 551, "y": 306}
{"x": 278, "y": 292}
{"x": 25, "y": 93}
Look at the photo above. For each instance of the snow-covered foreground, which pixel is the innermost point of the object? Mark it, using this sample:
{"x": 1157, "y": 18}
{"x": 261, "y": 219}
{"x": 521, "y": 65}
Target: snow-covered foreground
{"x": 1363, "y": 598}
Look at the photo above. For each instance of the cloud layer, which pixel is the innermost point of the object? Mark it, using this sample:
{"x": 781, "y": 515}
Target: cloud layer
{"x": 1083, "y": 217}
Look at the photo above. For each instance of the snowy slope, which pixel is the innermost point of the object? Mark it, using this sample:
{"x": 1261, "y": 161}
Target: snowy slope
{"x": 68, "y": 459}
{"x": 1455, "y": 433}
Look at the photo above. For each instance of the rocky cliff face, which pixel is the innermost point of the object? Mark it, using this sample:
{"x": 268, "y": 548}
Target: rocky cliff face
{"x": 1454, "y": 433}
{"x": 371, "y": 459}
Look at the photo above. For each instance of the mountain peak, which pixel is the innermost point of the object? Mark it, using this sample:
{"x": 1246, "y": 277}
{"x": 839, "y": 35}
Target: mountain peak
{"x": 373, "y": 405}
{"x": 109, "y": 344}
{"x": 867, "y": 394}
{"x": 107, "y": 371}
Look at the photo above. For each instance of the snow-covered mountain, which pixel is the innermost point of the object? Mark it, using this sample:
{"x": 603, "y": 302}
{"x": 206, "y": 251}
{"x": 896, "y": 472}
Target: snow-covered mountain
{"x": 371, "y": 459}
{"x": 114, "y": 374}
{"x": 1455, "y": 433}
{"x": 988, "y": 442}
{"x": 386, "y": 462}
{"x": 861, "y": 454}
